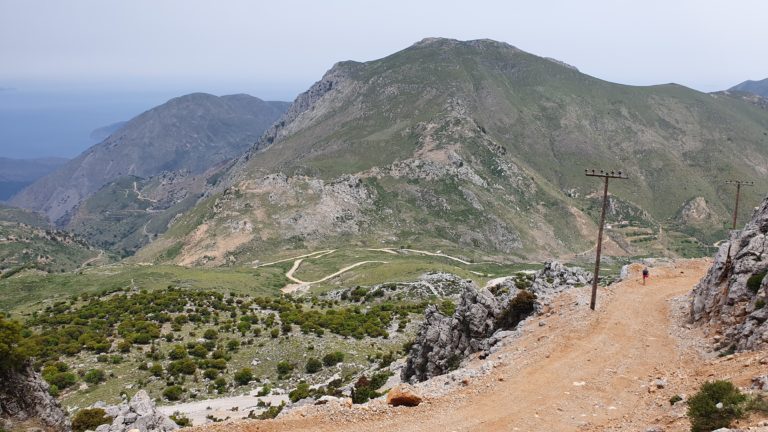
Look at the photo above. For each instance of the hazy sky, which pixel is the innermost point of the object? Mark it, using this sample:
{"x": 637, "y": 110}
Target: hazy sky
{"x": 278, "y": 48}
{"x": 76, "y": 65}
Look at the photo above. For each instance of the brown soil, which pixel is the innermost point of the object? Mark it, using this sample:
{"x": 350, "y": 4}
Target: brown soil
{"x": 579, "y": 371}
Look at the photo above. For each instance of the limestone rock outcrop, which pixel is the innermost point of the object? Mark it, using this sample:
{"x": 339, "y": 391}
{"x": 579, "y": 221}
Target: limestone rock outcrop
{"x": 443, "y": 342}
{"x": 138, "y": 413}
{"x": 732, "y": 297}
{"x": 24, "y": 398}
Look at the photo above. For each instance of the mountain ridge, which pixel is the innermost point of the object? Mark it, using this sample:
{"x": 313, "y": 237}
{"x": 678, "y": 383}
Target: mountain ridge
{"x": 169, "y": 137}
{"x": 481, "y": 146}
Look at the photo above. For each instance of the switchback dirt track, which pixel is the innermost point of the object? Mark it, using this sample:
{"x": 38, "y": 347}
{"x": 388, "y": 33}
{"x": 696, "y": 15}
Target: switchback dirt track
{"x": 577, "y": 371}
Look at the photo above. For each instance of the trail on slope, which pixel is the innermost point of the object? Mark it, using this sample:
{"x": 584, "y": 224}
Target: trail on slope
{"x": 582, "y": 370}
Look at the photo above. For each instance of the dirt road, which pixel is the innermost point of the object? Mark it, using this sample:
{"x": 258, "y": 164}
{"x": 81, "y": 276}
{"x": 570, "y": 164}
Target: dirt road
{"x": 578, "y": 370}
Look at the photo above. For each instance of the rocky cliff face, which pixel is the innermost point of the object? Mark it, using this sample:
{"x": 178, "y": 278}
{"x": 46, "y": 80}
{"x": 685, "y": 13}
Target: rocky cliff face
{"x": 482, "y": 317}
{"x": 24, "y": 400}
{"x": 731, "y": 298}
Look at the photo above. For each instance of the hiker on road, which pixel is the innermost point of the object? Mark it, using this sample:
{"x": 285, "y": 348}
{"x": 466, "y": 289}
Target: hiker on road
{"x": 645, "y": 274}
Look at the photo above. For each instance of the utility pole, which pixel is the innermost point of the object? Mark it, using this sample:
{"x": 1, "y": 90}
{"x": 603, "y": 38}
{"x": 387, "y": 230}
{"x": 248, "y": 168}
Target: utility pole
{"x": 606, "y": 176}
{"x": 738, "y": 184}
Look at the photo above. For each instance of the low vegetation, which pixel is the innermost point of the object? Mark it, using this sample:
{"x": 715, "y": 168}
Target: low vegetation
{"x": 718, "y": 404}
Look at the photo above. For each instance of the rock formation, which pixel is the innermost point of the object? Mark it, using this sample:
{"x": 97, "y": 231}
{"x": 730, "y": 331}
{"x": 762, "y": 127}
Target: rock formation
{"x": 140, "y": 413}
{"x": 731, "y": 298}
{"x": 24, "y": 399}
{"x": 443, "y": 342}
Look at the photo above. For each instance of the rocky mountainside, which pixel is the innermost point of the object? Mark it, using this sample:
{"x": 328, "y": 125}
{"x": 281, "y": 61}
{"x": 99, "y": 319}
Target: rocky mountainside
{"x": 756, "y": 87}
{"x": 25, "y": 402}
{"x": 483, "y": 317}
{"x": 479, "y": 145}
{"x": 189, "y": 133}
{"x": 16, "y": 174}
{"x": 732, "y": 297}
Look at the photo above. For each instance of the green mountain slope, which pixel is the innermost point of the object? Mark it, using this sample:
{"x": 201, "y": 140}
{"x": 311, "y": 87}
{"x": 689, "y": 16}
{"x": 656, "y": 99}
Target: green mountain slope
{"x": 479, "y": 147}
{"x": 189, "y": 133}
{"x": 28, "y": 242}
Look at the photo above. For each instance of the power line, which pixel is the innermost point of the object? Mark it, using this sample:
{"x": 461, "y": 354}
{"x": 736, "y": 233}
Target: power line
{"x": 606, "y": 175}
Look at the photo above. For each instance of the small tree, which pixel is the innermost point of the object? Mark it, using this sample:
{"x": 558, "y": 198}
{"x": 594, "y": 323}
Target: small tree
{"x": 173, "y": 393}
{"x": 333, "y": 358}
{"x": 313, "y": 365}
{"x": 715, "y": 406}
{"x": 243, "y": 376}
{"x": 284, "y": 369}
{"x": 94, "y": 376}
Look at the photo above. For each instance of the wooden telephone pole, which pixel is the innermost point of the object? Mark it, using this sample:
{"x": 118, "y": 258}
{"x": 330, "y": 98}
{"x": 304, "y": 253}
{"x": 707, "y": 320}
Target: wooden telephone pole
{"x": 605, "y": 175}
{"x": 738, "y": 184}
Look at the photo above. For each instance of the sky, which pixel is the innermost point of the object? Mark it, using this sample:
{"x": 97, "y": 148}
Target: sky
{"x": 151, "y": 50}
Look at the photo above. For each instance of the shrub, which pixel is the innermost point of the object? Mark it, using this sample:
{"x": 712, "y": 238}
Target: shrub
{"x": 703, "y": 410}
{"x": 447, "y": 307}
{"x": 313, "y": 365}
{"x": 211, "y": 334}
{"x": 271, "y": 412}
{"x": 244, "y": 376}
{"x": 89, "y": 419}
{"x": 517, "y": 309}
{"x": 334, "y": 358}
{"x": 754, "y": 281}
{"x": 284, "y": 369}
{"x": 221, "y": 384}
{"x": 94, "y": 376}
{"x": 186, "y": 367}
{"x": 759, "y": 304}
{"x": 300, "y": 392}
{"x": 675, "y": 399}
{"x": 156, "y": 369}
{"x": 61, "y": 380}
{"x": 211, "y": 373}
{"x": 178, "y": 352}
{"x": 173, "y": 393}
{"x": 180, "y": 419}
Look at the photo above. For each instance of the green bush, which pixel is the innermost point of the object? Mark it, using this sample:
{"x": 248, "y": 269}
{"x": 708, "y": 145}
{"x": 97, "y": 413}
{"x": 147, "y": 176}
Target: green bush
{"x": 173, "y": 393}
{"x": 334, "y": 358}
{"x": 244, "y": 376}
{"x": 284, "y": 369}
{"x": 675, "y": 399}
{"x": 313, "y": 365}
{"x": 365, "y": 389}
{"x": 180, "y": 419}
{"x": 186, "y": 367}
{"x": 271, "y": 412}
{"x": 89, "y": 419}
{"x": 94, "y": 376}
{"x": 754, "y": 281}
{"x": 759, "y": 304}
{"x": 156, "y": 370}
{"x": 300, "y": 392}
{"x": 703, "y": 410}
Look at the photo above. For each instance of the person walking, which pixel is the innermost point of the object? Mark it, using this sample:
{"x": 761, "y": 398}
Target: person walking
{"x": 645, "y": 274}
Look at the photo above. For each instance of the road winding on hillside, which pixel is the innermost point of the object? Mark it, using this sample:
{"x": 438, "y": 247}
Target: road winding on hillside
{"x": 578, "y": 370}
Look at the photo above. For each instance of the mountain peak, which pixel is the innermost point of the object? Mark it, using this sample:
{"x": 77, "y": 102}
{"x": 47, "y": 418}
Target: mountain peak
{"x": 439, "y": 42}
